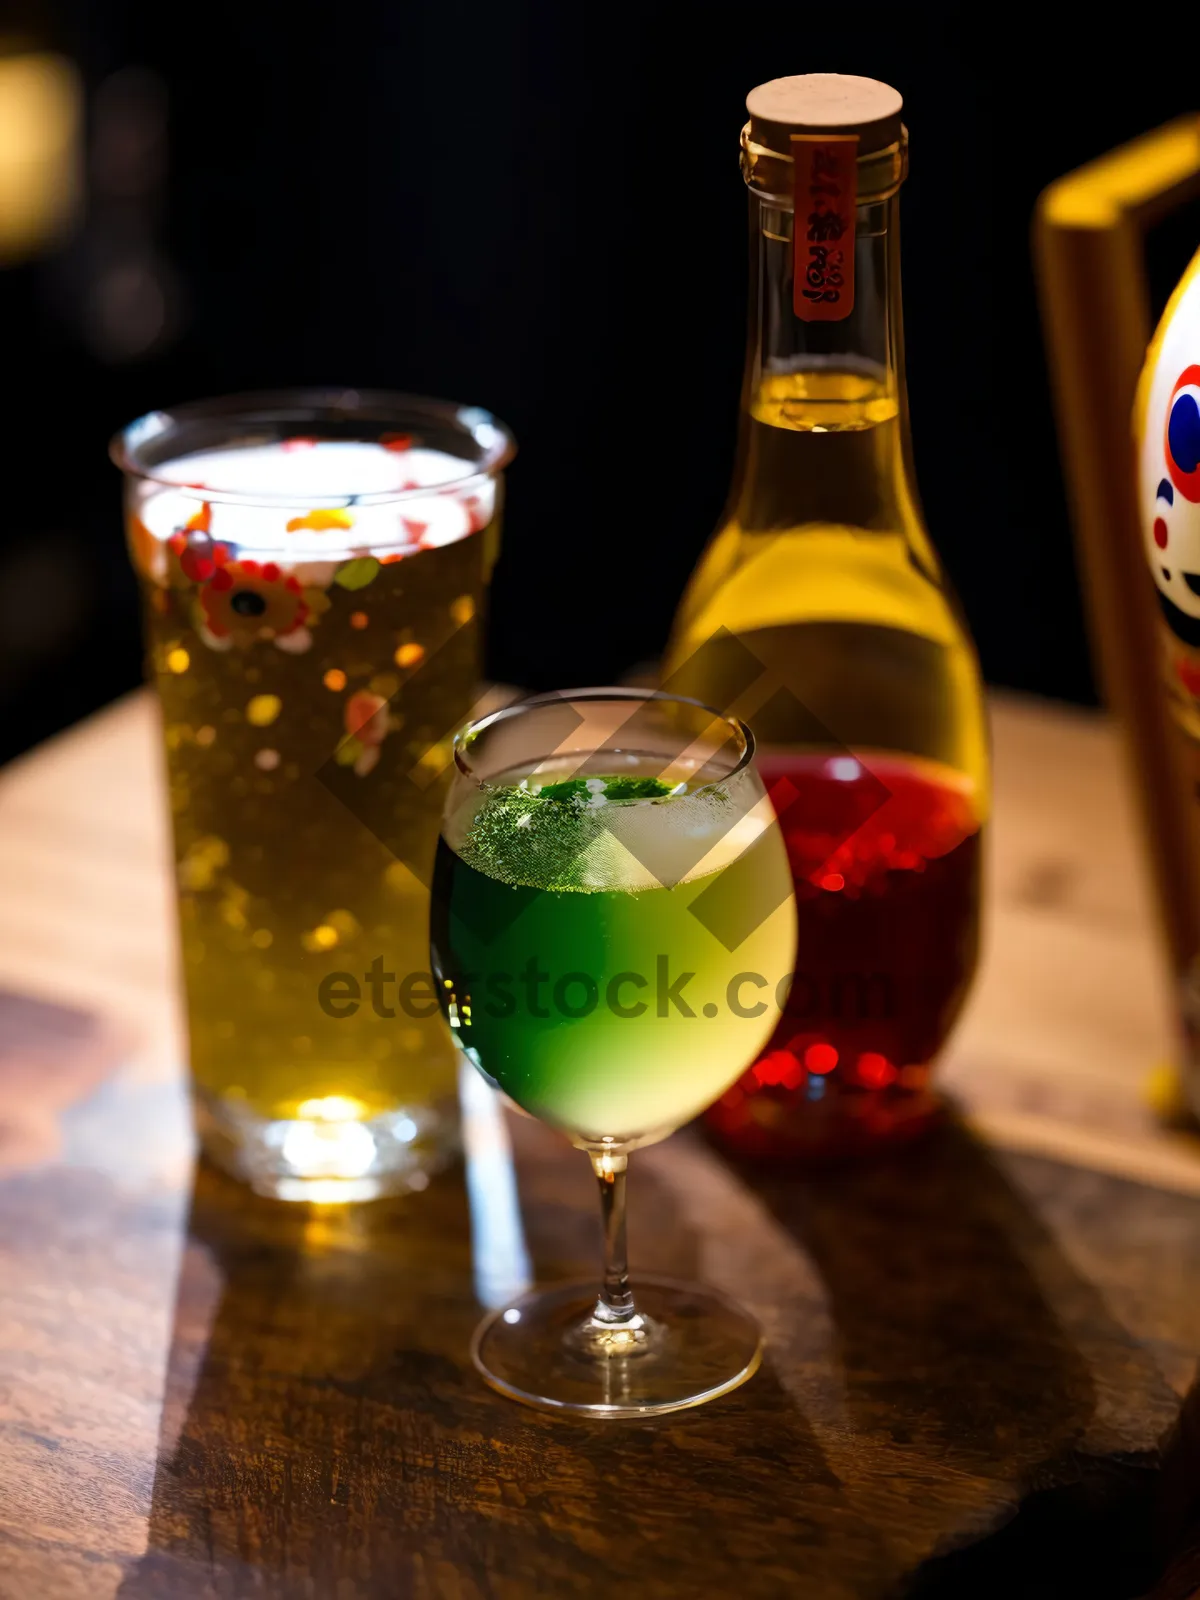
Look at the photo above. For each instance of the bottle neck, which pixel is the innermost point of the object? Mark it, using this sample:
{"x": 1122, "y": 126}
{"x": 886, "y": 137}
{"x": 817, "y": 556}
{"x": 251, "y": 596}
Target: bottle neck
{"x": 839, "y": 383}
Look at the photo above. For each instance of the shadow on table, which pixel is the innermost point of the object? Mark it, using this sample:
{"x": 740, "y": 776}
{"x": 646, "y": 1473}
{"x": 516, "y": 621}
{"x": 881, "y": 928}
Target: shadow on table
{"x": 325, "y": 1436}
{"x": 968, "y": 1343}
{"x": 294, "y": 1351}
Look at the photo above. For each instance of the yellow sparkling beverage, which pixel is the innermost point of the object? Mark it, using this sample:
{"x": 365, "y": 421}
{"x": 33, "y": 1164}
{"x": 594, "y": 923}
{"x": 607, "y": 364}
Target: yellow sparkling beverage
{"x": 311, "y": 608}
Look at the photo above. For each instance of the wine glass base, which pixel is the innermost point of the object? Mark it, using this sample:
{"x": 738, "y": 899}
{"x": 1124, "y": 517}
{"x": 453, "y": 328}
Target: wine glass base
{"x": 541, "y": 1349}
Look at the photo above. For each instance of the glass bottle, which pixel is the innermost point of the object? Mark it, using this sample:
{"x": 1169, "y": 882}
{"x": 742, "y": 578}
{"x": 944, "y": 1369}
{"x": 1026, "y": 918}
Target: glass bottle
{"x": 819, "y": 612}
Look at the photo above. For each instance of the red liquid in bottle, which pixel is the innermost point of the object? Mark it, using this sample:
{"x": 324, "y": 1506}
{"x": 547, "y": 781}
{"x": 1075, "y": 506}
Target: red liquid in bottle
{"x": 885, "y": 854}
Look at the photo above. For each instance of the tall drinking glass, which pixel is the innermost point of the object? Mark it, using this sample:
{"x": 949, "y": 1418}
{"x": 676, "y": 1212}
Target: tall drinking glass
{"x": 312, "y": 565}
{"x": 613, "y": 932}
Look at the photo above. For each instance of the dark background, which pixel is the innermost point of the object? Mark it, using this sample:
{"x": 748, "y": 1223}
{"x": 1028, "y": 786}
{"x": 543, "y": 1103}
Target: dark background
{"x": 536, "y": 208}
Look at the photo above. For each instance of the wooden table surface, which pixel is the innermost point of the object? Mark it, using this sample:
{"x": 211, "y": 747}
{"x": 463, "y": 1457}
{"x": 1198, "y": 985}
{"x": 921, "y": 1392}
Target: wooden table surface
{"x": 974, "y": 1350}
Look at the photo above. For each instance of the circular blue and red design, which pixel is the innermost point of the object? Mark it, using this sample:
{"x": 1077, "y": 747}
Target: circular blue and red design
{"x": 1182, "y": 440}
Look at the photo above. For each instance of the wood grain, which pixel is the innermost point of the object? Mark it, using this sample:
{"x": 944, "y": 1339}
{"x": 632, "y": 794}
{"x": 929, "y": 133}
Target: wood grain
{"x": 974, "y": 1350}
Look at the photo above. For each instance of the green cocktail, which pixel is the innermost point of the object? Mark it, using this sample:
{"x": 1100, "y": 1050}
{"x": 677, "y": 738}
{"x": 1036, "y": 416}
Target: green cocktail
{"x": 591, "y": 992}
{"x": 613, "y": 931}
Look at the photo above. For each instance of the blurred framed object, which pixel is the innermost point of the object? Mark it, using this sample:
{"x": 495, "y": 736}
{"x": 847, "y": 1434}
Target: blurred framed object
{"x": 1090, "y": 231}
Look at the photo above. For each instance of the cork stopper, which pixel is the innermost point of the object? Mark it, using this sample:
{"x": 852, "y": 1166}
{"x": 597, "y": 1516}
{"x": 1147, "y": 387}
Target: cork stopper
{"x": 817, "y": 103}
{"x": 825, "y": 102}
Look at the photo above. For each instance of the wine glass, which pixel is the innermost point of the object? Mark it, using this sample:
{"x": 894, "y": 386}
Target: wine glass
{"x": 613, "y": 933}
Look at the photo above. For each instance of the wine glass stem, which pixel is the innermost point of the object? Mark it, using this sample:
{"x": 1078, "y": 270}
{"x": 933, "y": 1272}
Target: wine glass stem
{"x": 615, "y": 1304}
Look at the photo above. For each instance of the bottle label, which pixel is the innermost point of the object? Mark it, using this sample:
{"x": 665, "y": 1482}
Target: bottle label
{"x": 825, "y": 195}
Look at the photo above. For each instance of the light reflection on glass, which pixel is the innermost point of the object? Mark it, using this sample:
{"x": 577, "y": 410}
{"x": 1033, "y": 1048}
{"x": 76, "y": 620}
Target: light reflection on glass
{"x": 499, "y": 1259}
